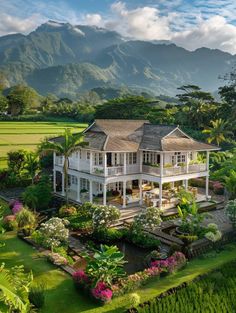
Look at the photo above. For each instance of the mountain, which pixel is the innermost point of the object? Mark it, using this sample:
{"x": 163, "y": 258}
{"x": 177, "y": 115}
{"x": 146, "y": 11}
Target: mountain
{"x": 64, "y": 59}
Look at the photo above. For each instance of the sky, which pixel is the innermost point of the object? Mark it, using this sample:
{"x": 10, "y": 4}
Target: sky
{"x": 188, "y": 23}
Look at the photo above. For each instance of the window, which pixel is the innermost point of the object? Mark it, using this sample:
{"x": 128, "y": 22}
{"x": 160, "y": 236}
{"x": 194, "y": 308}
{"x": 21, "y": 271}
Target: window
{"x": 98, "y": 159}
{"x": 178, "y": 158}
{"x": 74, "y": 180}
{"x": 132, "y": 158}
{"x": 84, "y": 184}
{"x": 88, "y": 155}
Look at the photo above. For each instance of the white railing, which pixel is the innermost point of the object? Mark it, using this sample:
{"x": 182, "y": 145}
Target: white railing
{"x": 132, "y": 169}
{"x": 73, "y": 164}
{"x": 175, "y": 170}
{"x": 98, "y": 170}
{"x": 115, "y": 171}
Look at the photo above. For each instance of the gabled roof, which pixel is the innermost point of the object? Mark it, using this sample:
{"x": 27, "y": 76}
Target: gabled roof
{"x": 132, "y": 135}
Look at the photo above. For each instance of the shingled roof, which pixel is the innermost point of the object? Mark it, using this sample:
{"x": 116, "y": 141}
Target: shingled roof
{"x": 134, "y": 135}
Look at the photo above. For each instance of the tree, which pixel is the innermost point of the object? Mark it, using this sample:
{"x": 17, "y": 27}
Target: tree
{"x": 3, "y": 104}
{"x": 69, "y": 143}
{"x": 20, "y": 98}
{"x": 219, "y": 132}
{"x": 31, "y": 164}
{"x": 15, "y": 161}
{"x": 230, "y": 184}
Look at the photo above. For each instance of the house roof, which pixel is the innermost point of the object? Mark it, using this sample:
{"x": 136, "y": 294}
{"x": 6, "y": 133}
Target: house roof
{"x": 132, "y": 135}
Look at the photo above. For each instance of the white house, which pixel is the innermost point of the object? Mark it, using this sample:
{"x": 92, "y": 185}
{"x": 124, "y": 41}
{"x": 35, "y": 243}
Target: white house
{"x": 123, "y": 157}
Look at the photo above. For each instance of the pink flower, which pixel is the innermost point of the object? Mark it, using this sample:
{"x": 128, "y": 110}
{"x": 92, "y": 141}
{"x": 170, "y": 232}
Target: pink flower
{"x": 80, "y": 277}
{"x": 102, "y": 292}
{"x": 17, "y": 206}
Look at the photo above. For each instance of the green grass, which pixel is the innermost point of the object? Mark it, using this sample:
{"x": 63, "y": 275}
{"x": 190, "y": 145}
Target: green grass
{"x": 26, "y": 135}
{"x": 61, "y": 295}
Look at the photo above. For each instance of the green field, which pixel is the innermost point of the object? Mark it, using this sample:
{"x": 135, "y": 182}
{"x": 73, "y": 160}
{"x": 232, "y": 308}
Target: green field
{"x": 26, "y": 135}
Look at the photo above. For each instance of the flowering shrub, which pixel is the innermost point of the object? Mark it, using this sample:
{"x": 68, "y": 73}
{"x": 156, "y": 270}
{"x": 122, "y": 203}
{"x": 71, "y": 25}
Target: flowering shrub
{"x": 230, "y": 211}
{"x": 213, "y": 234}
{"x": 57, "y": 259}
{"x": 54, "y": 233}
{"x": 101, "y": 292}
{"x": 104, "y": 216}
{"x": 148, "y": 218}
{"x": 218, "y": 188}
{"x": 16, "y": 206}
{"x": 81, "y": 278}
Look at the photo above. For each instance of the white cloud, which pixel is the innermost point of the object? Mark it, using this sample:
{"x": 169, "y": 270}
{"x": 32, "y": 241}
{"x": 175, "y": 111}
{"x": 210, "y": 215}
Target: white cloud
{"x": 213, "y": 33}
{"x": 93, "y": 19}
{"x": 12, "y": 24}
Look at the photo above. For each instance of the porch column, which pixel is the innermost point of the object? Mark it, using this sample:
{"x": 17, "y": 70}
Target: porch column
{"x": 187, "y": 162}
{"x": 160, "y": 194}
{"x": 54, "y": 180}
{"x": 140, "y": 191}
{"x": 125, "y": 167}
{"x": 105, "y": 163}
{"x": 91, "y": 163}
{"x": 186, "y": 184}
{"x": 124, "y": 195}
{"x": 91, "y": 191}
{"x": 78, "y": 190}
{"x": 104, "y": 194}
{"x": 62, "y": 184}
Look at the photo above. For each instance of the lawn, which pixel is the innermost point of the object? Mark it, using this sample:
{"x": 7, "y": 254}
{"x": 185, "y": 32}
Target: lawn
{"x": 26, "y": 135}
{"x": 61, "y": 295}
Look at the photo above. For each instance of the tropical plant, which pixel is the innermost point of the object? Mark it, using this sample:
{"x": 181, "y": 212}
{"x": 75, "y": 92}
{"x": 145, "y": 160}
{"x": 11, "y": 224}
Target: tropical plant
{"x": 230, "y": 211}
{"x": 26, "y": 221}
{"x": 31, "y": 164}
{"x": 106, "y": 265}
{"x": 219, "y": 132}
{"x": 230, "y": 184}
{"x": 70, "y": 143}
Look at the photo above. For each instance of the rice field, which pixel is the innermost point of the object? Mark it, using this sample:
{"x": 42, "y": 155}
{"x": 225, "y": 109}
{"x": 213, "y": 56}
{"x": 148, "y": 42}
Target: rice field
{"x": 27, "y": 135}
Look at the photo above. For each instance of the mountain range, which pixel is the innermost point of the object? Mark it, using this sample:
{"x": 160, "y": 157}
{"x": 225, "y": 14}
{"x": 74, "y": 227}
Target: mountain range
{"x": 65, "y": 60}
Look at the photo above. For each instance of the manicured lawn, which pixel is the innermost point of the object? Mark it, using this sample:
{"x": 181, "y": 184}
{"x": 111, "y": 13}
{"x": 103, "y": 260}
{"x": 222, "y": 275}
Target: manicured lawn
{"x": 26, "y": 135}
{"x": 61, "y": 295}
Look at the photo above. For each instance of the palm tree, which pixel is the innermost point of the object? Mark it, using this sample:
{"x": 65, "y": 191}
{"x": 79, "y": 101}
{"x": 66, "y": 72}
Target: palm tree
{"x": 218, "y": 132}
{"x": 66, "y": 147}
{"x": 31, "y": 164}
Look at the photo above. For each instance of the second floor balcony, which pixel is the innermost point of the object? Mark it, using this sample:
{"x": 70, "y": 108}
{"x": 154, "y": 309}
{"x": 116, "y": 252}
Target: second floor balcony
{"x": 174, "y": 170}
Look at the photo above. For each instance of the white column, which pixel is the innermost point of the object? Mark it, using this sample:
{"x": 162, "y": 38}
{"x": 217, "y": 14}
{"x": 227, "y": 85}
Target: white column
{"x": 207, "y": 160}
{"x": 62, "y": 184}
{"x": 124, "y": 194}
{"x": 160, "y": 195}
{"x": 91, "y": 162}
{"x": 104, "y": 194}
{"x": 140, "y": 192}
{"x": 78, "y": 190}
{"x": 141, "y": 162}
{"x": 207, "y": 187}
{"x": 91, "y": 191}
{"x": 187, "y": 162}
{"x": 161, "y": 164}
{"x": 54, "y": 180}
{"x": 54, "y": 158}
{"x": 105, "y": 163}
{"x": 125, "y": 167}
{"x": 186, "y": 184}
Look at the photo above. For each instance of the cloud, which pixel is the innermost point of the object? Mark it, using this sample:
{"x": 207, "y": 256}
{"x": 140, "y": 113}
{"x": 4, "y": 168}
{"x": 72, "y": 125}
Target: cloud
{"x": 93, "y": 19}
{"x": 213, "y": 33}
{"x": 12, "y": 24}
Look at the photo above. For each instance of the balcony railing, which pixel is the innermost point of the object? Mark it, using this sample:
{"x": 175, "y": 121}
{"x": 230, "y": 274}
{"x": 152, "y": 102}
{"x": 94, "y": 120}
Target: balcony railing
{"x": 175, "y": 170}
{"x": 59, "y": 161}
{"x": 115, "y": 170}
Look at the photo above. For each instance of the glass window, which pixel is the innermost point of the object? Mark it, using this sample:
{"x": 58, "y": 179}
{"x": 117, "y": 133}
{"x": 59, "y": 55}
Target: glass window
{"x": 88, "y": 155}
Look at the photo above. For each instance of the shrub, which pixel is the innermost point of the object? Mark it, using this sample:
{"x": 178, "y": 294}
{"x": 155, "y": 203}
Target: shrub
{"x": 67, "y": 210}
{"x": 17, "y": 206}
{"x": 107, "y": 235}
{"x": 26, "y": 220}
{"x": 218, "y": 188}
{"x": 148, "y": 218}
{"x": 37, "y": 295}
{"x": 230, "y": 210}
{"x": 143, "y": 240}
{"x": 54, "y": 232}
{"x": 104, "y": 216}
{"x": 134, "y": 300}
{"x": 57, "y": 259}
{"x": 9, "y": 223}
{"x": 101, "y": 292}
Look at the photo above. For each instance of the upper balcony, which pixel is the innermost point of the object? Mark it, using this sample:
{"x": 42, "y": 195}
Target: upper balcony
{"x": 175, "y": 170}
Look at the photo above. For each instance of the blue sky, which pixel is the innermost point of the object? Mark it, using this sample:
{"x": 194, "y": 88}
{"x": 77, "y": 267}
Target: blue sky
{"x": 188, "y": 23}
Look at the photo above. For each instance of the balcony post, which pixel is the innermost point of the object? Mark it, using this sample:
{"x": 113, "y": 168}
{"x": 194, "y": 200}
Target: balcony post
{"x": 78, "y": 190}
{"x": 90, "y": 191}
{"x": 54, "y": 159}
{"x": 141, "y": 162}
{"x": 160, "y": 194}
{"x": 54, "y": 180}
{"x": 124, "y": 194}
{"x": 105, "y": 163}
{"x": 207, "y": 177}
{"x": 104, "y": 194}
{"x": 187, "y": 162}
{"x": 91, "y": 162}
{"x": 62, "y": 184}
{"x": 140, "y": 191}
{"x": 125, "y": 164}
{"x": 161, "y": 164}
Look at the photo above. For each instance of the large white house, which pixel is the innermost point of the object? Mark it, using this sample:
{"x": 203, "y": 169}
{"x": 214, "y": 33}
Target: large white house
{"x": 123, "y": 157}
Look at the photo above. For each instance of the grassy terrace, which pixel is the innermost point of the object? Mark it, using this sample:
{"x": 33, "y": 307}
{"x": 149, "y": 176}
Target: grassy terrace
{"x": 26, "y": 135}
{"x": 61, "y": 295}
